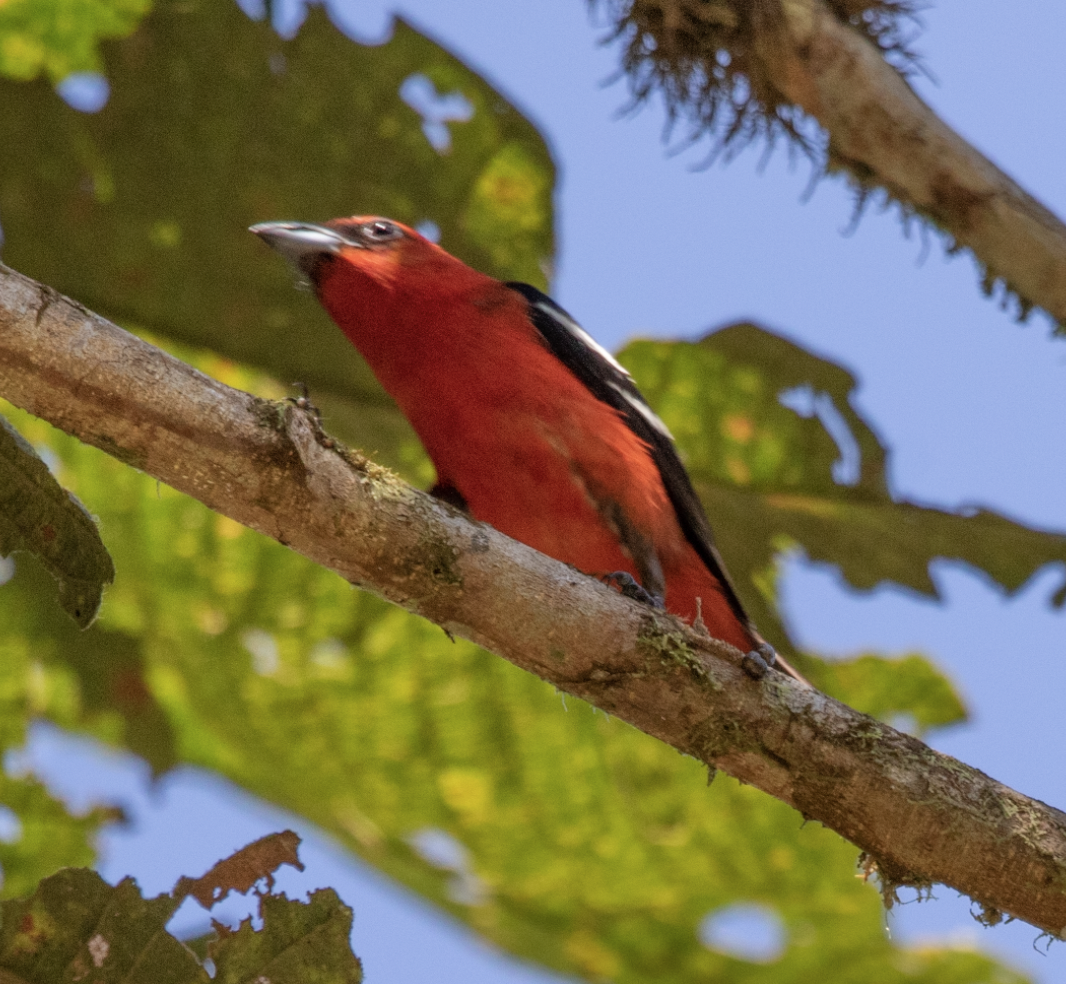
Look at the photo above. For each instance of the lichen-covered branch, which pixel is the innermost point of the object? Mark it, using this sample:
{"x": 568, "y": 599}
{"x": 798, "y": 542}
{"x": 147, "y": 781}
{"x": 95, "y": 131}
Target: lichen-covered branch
{"x": 920, "y": 816}
{"x": 742, "y": 69}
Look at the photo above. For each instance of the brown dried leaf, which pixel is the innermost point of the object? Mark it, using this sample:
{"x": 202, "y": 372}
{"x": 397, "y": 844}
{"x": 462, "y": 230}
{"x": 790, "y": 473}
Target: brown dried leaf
{"x": 240, "y": 871}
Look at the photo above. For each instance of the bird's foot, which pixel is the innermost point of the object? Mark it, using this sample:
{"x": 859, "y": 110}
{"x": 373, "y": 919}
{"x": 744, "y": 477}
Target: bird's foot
{"x": 758, "y": 662}
{"x": 629, "y": 587}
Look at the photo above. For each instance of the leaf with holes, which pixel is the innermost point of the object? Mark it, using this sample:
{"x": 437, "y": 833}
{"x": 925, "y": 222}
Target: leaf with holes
{"x": 300, "y": 943}
{"x": 782, "y": 460}
{"x": 76, "y": 927}
{"x": 137, "y": 210}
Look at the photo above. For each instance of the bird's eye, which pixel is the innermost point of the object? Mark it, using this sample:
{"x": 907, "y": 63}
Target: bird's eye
{"x": 381, "y": 231}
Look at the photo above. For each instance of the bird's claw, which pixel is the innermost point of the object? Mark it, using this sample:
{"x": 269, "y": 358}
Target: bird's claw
{"x": 629, "y": 587}
{"x": 759, "y": 661}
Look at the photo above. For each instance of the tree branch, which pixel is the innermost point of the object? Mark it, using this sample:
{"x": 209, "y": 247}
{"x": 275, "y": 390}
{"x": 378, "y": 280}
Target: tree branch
{"x": 884, "y": 134}
{"x": 789, "y": 55}
{"x": 920, "y": 816}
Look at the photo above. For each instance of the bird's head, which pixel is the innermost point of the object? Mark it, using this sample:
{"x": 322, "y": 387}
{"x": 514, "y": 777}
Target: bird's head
{"x": 364, "y": 246}
{"x": 383, "y": 283}
{"x": 369, "y": 272}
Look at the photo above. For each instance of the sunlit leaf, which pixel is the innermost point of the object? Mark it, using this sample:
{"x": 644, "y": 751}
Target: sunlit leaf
{"x": 782, "y": 460}
{"x": 59, "y": 37}
{"x": 101, "y": 672}
{"x": 561, "y": 835}
{"x": 568, "y": 838}
{"x": 40, "y": 835}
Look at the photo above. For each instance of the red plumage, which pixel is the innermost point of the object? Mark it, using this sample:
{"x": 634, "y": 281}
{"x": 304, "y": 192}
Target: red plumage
{"x": 509, "y": 425}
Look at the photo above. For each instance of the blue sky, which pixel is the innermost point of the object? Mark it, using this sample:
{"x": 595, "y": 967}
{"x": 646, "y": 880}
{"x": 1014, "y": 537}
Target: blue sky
{"x": 970, "y": 403}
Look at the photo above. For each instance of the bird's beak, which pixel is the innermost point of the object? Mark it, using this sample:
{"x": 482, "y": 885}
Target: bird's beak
{"x": 303, "y": 244}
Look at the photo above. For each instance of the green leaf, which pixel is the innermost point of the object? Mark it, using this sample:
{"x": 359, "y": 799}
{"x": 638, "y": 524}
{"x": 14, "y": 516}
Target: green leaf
{"x": 766, "y": 476}
{"x": 580, "y": 843}
{"x": 214, "y": 123}
{"x": 300, "y": 943}
{"x": 37, "y": 514}
{"x": 48, "y": 836}
{"x": 721, "y": 398}
{"x": 76, "y": 927}
{"x": 907, "y": 691}
{"x": 105, "y": 668}
{"x": 59, "y": 37}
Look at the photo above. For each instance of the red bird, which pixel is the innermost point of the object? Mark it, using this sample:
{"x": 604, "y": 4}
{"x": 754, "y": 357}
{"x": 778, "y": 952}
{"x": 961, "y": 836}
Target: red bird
{"x": 531, "y": 426}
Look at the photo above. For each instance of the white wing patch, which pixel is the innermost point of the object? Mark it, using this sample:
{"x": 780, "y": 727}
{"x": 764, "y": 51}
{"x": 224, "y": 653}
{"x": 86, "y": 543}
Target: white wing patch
{"x": 579, "y": 333}
{"x": 643, "y": 409}
{"x": 561, "y": 318}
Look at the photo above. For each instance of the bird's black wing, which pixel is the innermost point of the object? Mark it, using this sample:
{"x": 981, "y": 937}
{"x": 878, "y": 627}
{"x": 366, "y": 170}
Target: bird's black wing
{"x": 609, "y": 382}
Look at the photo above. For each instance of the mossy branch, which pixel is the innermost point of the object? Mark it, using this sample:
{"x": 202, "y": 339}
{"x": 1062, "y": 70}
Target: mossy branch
{"x": 740, "y": 70}
{"x": 919, "y": 816}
